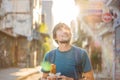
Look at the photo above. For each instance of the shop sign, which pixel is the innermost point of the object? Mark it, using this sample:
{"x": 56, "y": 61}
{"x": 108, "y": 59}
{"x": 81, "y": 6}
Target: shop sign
{"x": 91, "y": 7}
{"x": 107, "y": 17}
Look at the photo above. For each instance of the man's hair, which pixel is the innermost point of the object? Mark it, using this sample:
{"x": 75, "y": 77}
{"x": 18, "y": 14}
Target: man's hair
{"x": 59, "y": 26}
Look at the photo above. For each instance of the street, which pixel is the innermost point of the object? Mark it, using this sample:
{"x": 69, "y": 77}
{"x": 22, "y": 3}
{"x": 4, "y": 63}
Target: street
{"x": 35, "y": 76}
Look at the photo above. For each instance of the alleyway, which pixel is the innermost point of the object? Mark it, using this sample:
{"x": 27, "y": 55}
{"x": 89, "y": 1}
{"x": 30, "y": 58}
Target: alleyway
{"x": 26, "y": 35}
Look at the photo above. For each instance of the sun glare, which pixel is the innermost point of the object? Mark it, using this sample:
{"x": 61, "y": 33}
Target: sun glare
{"x": 64, "y": 11}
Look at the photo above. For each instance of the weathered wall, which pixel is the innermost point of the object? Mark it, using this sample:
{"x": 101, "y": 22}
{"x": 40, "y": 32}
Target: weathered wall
{"x": 18, "y": 15}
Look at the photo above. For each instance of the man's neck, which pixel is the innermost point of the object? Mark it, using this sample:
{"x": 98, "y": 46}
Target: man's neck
{"x": 64, "y": 46}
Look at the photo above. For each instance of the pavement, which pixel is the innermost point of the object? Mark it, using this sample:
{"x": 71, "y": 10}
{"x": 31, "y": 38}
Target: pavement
{"x": 102, "y": 76}
{"x": 22, "y": 73}
{"x": 17, "y": 73}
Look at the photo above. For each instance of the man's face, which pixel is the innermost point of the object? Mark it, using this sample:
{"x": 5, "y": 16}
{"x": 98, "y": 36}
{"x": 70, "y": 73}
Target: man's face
{"x": 63, "y": 35}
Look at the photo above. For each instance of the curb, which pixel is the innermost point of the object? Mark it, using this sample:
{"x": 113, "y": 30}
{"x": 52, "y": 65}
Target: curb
{"x": 23, "y": 77}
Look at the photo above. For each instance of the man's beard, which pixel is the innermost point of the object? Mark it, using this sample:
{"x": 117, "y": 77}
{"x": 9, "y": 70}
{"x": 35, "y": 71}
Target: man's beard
{"x": 64, "y": 41}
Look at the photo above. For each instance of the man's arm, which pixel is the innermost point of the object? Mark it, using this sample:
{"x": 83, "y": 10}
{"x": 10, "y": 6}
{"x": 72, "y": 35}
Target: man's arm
{"x": 88, "y": 75}
{"x": 44, "y": 75}
{"x": 87, "y": 67}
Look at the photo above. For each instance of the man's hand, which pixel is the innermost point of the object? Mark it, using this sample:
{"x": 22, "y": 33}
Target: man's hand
{"x": 66, "y": 78}
{"x": 59, "y": 78}
{"x": 88, "y": 75}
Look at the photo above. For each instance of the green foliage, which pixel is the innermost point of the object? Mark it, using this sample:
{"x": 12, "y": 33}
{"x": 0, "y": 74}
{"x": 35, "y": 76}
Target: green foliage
{"x": 46, "y": 66}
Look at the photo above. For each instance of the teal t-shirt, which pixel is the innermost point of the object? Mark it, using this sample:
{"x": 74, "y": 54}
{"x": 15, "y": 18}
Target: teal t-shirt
{"x": 65, "y": 62}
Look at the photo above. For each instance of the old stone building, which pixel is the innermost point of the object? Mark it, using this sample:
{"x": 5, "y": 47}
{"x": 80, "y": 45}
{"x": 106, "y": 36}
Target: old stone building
{"x": 20, "y": 41}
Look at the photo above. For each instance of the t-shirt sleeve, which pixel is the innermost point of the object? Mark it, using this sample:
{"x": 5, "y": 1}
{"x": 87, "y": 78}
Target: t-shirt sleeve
{"x": 86, "y": 64}
{"x": 46, "y": 57}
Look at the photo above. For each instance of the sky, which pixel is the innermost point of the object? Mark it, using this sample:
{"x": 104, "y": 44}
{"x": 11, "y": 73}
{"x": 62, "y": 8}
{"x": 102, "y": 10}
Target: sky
{"x": 64, "y": 11}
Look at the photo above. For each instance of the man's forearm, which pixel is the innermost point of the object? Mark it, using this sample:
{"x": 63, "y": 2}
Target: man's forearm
{"x": 44, "y": 75}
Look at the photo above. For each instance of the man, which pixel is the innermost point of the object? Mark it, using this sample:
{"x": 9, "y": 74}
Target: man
{"x": 64, "y": 57}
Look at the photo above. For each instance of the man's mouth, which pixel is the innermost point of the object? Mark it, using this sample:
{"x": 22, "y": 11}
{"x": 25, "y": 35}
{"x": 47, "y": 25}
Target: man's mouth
{"x": 64, "y": 41}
